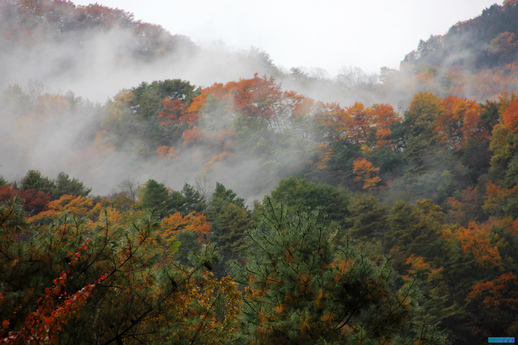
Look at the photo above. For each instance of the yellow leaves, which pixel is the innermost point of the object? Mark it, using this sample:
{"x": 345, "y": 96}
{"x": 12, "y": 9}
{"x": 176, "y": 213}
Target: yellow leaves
{"x": 426, "y": 107}
{"x": 366, "y": 173}
{"x": 197, "y": 314}
{"x": 115, "y": 108}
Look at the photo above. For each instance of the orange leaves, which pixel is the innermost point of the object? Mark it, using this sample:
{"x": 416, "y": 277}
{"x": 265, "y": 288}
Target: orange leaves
{"x": 218, "y": 145}
{"x": 193, "y": 222}
{"x": 504, "y": 43}
{"x": 510, "y": 116}
{"x": 503, "y": 291}
{"x": 288, "y": 257}
{"x": 453, "y": 120}
{"x": 458, "y": 122}
{"x": 52, "y": 105}
{"x": 176, "y": 112}
{"x": 255, "y": 97}
{"x": 102, "y": 142}
{"x": 192, "y": 136}
{"x": 366, "y": 173}
{"x": 258, "y": 98}
{"x": 422, "y": 269}
{"x": 216, "y": 160}
{"x": 76, "y": 205}
{"x": 476, "y": 241}
{"x": 496, "y": 196}
{"x": 357, "y": 123}
{"x": 166, "y": 152}
{"x": 383, "y": 117}
{"x": 342, "y": 266}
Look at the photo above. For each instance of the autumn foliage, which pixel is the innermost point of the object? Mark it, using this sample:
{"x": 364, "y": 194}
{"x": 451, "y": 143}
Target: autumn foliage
{"x": 366, "y": 173}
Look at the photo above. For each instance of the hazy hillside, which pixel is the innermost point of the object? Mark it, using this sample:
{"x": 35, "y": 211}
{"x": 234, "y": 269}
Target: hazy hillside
{"x": 155, "y": 191}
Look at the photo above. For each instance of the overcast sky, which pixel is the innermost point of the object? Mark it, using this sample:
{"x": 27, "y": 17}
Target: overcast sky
{"x": 328, "y": 34}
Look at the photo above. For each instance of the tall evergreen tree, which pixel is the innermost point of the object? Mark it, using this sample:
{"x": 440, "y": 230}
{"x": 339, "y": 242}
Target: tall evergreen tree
{"x": 154, "y": 195}
{"x": 35, "y": 180}
{"x": 64, "y": 185}
{"x": 303, "y": 289}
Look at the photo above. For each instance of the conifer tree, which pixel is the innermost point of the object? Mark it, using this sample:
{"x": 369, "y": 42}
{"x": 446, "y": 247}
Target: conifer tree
{"x": 64, "y": 185}
{"x": 230, "y": 220}
{"x": 35, "y": 180}
{"x": 303, "y": 289}
{"x": 154, "y": 195}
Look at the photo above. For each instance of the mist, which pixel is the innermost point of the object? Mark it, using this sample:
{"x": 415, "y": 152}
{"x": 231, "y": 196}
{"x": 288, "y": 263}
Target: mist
{"x": 67, "y": 76}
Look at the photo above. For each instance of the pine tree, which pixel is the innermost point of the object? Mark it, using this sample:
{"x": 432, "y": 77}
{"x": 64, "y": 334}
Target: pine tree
{"x": 64, "y": 185}
{"x": 303, "y": 289}
{"x": 35, "y": 180}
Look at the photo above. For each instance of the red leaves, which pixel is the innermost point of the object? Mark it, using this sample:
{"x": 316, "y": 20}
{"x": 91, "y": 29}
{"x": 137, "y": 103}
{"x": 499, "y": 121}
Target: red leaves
{"x": 42, "y": 325}
{"x": 34, "y": 201}
{"x": 175, "y": 112}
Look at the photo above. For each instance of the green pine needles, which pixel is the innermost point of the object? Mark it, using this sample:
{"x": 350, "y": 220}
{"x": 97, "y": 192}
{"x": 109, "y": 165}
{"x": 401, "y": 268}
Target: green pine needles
{"x": 305, "y": 286}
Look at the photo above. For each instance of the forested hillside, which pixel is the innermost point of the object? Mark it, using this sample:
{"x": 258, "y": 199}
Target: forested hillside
{"x": 242, "y": 211}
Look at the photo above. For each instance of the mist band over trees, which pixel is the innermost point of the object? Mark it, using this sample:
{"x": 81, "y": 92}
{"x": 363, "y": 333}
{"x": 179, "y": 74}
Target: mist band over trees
{"x": 180, "y": 194}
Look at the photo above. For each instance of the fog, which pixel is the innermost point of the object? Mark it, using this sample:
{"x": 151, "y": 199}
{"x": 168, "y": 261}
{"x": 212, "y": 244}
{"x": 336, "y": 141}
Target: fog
{"x": 90, "y": 66}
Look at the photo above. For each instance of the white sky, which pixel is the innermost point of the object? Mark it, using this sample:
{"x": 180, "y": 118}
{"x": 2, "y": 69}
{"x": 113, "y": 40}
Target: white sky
{"x": 327, "y": 33}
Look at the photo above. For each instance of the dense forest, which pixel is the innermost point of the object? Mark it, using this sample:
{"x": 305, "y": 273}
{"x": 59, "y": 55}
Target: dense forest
{"x": 280, "y": 207}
